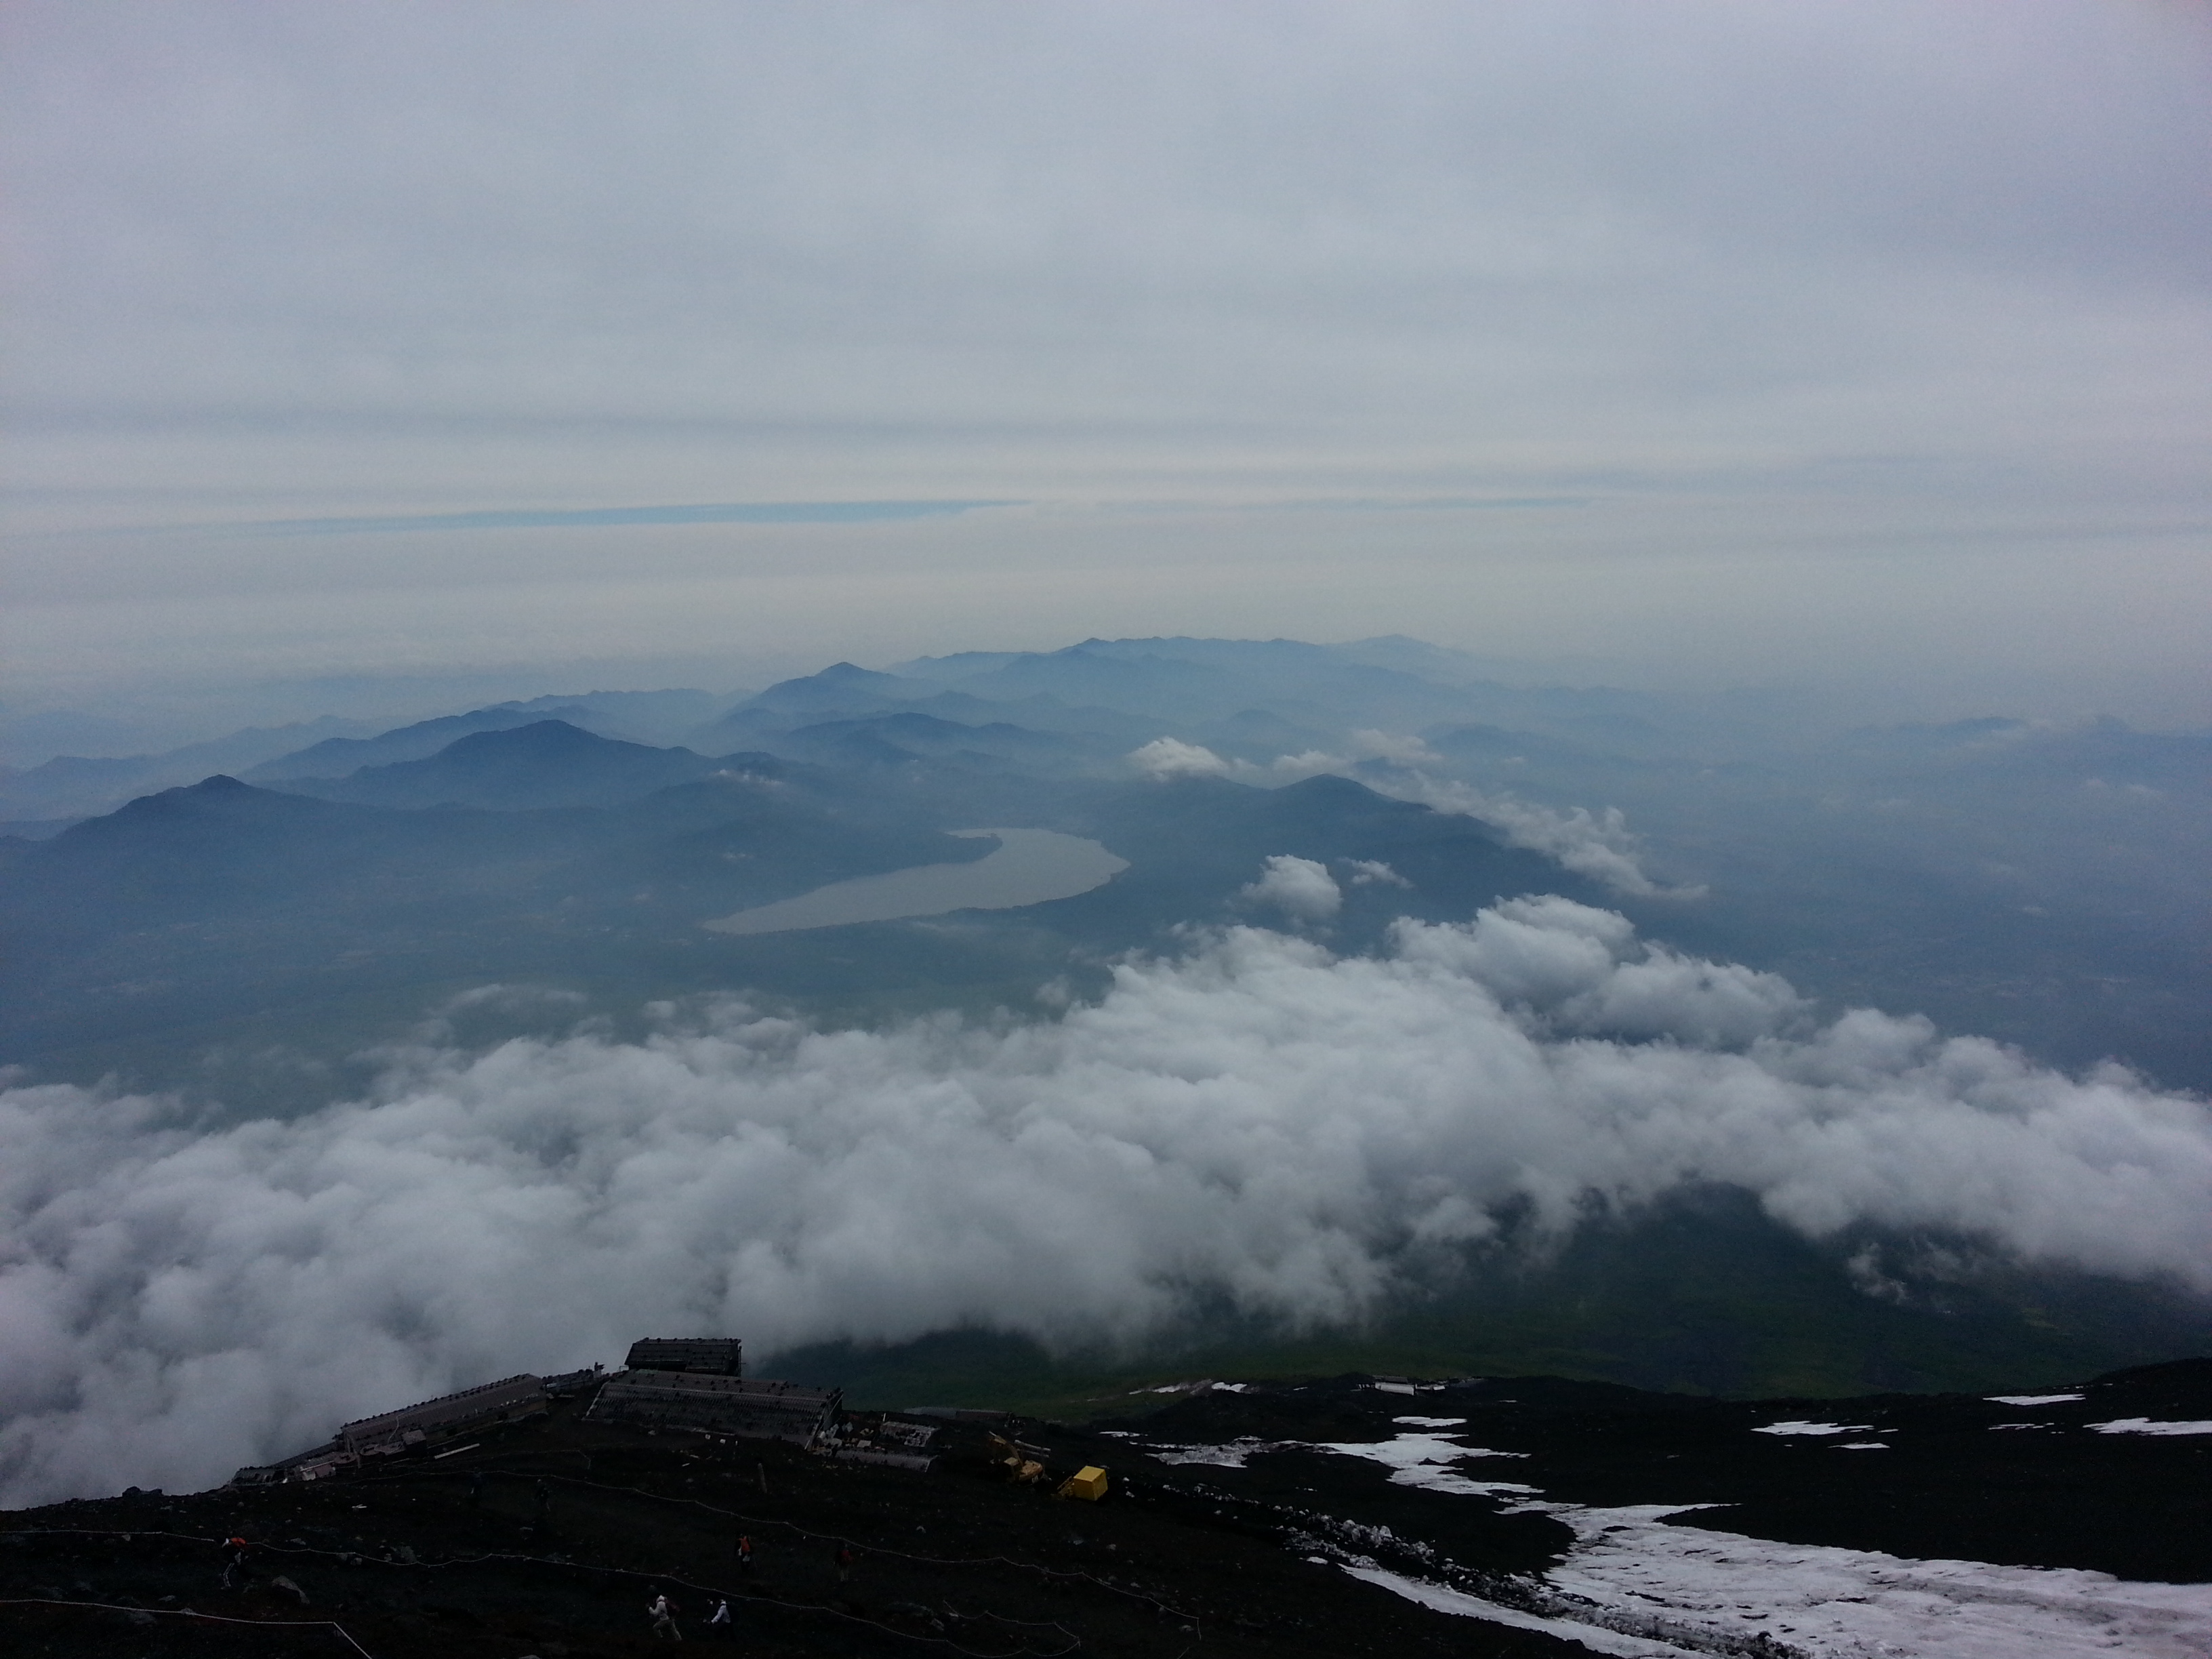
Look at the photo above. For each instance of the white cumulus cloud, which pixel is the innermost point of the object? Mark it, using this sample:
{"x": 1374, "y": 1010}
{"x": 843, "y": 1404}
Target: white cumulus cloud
{"x": 1368, "y": 873}
{"x": 1171, "y": 758}
{"x": 1300, "y": 887}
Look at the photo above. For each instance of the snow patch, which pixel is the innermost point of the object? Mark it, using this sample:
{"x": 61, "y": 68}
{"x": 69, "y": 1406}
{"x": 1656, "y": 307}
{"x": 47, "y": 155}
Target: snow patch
{"x": 1414, "y": 1459}
{"x": 1446, "y": 1600}
{"x": 1231, "y": 1456}
{"x": 1424, "y": 1460}
{"x": 2148, "y": 1425}
{"x": 1816, "y": 1428}
{"x": 2032, "y": 1398}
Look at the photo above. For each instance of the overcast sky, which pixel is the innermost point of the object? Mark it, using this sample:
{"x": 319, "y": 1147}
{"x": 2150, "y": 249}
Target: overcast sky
{"x": 1838, "y": 342}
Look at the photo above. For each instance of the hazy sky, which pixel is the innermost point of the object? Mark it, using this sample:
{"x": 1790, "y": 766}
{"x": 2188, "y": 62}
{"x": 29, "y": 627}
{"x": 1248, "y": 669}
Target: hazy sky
{"x": 1852, "y": 342}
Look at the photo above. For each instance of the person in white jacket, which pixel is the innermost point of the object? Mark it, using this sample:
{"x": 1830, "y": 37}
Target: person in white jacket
{"x": 664, "y": 1617}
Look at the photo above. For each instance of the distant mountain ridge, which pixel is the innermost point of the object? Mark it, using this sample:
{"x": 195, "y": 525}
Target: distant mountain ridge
{"x": 1177, "y": 684}
{"x": 538, "y": 763}
{"x": 2031, "y": 882}
{"x": 338, "y": 758}
{"x": 67, "y": 786}
{"x": 76, "y": 786}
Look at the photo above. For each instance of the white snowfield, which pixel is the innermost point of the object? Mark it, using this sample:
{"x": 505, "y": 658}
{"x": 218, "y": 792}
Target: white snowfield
{"x": 1636, "y": 1587}
{"x": 1689, "y": 1586}
{"x": 2149, "y": 1425}
{"x": 2033, "y": 1398}
{"x": 1444, "y": 1599}
{"x": 1816, "y": 1428}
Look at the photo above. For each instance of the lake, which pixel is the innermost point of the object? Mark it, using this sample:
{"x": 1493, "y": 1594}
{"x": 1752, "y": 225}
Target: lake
{"x": 1030, "y": 867}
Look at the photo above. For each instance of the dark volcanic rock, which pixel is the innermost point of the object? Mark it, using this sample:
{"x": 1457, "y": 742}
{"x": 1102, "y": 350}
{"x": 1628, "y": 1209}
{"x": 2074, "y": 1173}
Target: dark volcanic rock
{"x": 552, "y": 1538}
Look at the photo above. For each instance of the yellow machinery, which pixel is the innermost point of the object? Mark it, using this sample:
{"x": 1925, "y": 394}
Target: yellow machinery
{"x": 1088, "y": 1483}
{"x": 1020, "y": 1468}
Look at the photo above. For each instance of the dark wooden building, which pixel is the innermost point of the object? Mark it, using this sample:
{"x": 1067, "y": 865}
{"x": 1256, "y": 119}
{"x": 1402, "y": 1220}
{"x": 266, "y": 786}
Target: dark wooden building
{"x": 718, "y": 1405}
{"x": 704, "y": 1356}
{"x": 510, "y": 1400}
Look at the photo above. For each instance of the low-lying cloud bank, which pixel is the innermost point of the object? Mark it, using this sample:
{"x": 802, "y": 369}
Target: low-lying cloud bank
{"x": 1599, "y": 845}
{"x": 1258, "y": 1120}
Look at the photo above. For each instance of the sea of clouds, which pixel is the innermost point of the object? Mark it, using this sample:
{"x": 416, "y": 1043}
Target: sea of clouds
{"x": 1258, "y": 1120}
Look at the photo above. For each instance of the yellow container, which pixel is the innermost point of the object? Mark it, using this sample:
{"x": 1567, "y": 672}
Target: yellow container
{"x": 1088, "y": 1482}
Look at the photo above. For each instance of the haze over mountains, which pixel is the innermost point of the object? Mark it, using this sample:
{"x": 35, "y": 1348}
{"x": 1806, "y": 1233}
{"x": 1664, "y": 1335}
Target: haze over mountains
{"x": 2038, "y": 883}
{"x": 1431, "y": 1019}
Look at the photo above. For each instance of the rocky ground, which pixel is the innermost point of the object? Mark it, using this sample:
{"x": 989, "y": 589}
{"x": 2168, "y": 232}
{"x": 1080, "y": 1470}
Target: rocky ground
{"x": 1352, "y": 1516}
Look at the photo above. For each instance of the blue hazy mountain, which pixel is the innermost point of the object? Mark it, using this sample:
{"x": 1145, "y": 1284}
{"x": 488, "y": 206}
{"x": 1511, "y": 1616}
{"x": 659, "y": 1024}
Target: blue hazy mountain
{"x": 68, "y": 786}
{"x": 338, "y": 758}
{"x": 654, "y": 717}
{"x": 1136, "y": 690}
{"x": 2041, "y": 884}
{"x": 839, "y": 688}
{"x": 219, "y": 906}
{"x": 544, "y": 763}
{"x": 892, "y": 740}
{"x": 77, "y": 786}
{"x": 757, "y": 719}
{"x": 1333, "y": 689}
{"x": 544, "y": 850}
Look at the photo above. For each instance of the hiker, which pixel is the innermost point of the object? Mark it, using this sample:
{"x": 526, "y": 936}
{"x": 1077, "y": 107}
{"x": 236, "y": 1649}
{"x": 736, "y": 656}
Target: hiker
{"x": 233, "y": 1561}
{"x": 744, "y": 1553}
{"x": 719, "y": 1622}
{"x": 845, "y": 1558}
{"x": 664, "y": 1617}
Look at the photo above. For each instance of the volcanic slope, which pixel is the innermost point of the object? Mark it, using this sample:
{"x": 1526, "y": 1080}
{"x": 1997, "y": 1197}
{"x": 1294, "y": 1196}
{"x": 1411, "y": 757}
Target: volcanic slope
{"x": 1355, "y": 1515}
{"x": 460, "y": 1555}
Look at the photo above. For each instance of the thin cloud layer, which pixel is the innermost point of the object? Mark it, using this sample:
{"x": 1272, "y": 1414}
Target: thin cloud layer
{"x": 1260, "y": 1122}
{"x": 1599, "y": 845}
